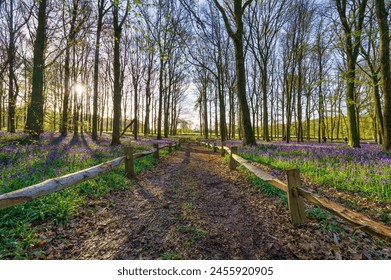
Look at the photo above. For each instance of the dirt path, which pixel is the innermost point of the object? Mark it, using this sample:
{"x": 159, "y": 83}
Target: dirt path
{"x": 191, "y": 206}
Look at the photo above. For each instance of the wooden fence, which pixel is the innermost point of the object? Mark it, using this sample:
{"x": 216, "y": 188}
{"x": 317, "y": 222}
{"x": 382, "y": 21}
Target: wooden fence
{"x": 60, "y": 183}
{"x": 296, "y": 195}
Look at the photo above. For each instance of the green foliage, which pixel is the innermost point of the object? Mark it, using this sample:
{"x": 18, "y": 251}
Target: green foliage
{"x": 171, "y": 255}
{"x": 15, "y": 139}
{"x": 193, "y": 232}
{"x": 326, "y": 220}
{"x": 365, "y": 171}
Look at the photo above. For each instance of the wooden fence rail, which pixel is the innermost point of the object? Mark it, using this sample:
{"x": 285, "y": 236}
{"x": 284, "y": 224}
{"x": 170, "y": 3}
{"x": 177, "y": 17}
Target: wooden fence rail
{"x": 296, "y": 194}
{"x": 60, "y": 183}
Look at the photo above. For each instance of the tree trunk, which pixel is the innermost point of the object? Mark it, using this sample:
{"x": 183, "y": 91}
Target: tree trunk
{"x": 35, "y": 113}
{"x": 148, "y": 96}
{"x": 117, "y": 90}
{"x": 237, "y": 37}
{"x": 135, "y": 89}
{"x": 11, "y": 71}
{"x": 382, "y": 18}
{"x": 248, "y": 134}
{"x": 352, "y": 29}
{"x": 96, "y": 71}
{"x": 353, "y": 138}
{"x": 205, "y": 110}
{"x": 160, "y": 110}
{"x": 266, "y": 136}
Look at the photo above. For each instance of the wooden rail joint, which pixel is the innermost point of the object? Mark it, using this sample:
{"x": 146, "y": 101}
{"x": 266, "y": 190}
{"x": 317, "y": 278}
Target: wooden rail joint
{"x": 156, "y": 151}
{"x": 232, "y": 161}
{"x": 129, "y": 162}
{"x": 295, "y": 201}
{"x": 222, "y": 149}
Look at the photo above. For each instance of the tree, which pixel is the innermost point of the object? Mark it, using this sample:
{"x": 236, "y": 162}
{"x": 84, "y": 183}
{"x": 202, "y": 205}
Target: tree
{"x": 237, "y": 36}
{"x": 351, "y": 15}
{"x": 35, "y": 113}
{"x": 382, "y": 18}
{"x": 117, "y": 90}
{"x": 370, "y": 52}
{"x": 16, "y": 19}
{"x": 102, "y": 10}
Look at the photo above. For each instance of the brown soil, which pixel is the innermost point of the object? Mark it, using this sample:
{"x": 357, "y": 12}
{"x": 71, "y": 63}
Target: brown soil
{"x": 191, "y": 206}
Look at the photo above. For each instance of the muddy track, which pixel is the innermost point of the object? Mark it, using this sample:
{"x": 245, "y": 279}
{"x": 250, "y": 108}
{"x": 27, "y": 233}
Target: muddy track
{"x": 191, "y": 206}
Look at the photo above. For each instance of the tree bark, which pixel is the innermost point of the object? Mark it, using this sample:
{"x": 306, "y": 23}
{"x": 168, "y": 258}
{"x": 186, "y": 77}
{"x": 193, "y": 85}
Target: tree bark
{"x": 101, "y": 4}
{"x": 35, "y": 113}
{"x": 11, "y": 71}
{"x": 382, "y": 18}
{"x": 118, "y": 74}
{"x": 117, "y": 90}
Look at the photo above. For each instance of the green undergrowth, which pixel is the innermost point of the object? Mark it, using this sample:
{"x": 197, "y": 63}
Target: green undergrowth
{"x": 326, "y": 221}
{"x": 18, "y": 224}
{"x": 364, "y": 171}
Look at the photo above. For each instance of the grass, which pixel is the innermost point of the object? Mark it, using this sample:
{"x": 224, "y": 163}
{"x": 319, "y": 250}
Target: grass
{"x": 365, "y": 171}
{"x": 24, "y": 162}
{"x": 171, "y": 255}
{"x": 193, "y": 232}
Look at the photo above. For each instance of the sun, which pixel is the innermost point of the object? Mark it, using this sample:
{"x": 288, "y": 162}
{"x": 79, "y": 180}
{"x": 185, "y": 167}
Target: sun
{"x": 79, "y": 89}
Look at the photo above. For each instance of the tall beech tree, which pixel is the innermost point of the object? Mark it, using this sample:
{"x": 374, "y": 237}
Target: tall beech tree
{"x": 236, "y": 33}
{"x": 117, "y": 89}
{"x": 102, "y": 10}
{"x": 35, "y": 113}
{"x": 351, "y": 14}
{"x": 16, "y": 19}
{"x": 384, "y": 29}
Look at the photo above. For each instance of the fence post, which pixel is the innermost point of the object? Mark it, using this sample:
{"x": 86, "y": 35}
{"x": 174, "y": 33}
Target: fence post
{"x": 232, "y": 162}
{"x": 170, "y": 148}
{"x": 156, "y": 152}
{"x": 295, "y": 201}
{"x": 129, "y": 162}
{"x": 222, "y": 148}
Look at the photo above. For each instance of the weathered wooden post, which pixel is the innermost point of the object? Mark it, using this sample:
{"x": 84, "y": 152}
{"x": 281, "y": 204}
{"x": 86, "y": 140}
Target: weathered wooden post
{"x": 295, "y": 201}
{"x": 170, "y": 148}
{"x": 156, "y": 151}
{"x": 232, "y": 161}
{"x": 129, "y": 162}
{"x": 222, "y": 151}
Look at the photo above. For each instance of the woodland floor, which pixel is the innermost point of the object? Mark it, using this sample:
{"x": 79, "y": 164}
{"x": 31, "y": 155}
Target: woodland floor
{"x": 191, "y": 206}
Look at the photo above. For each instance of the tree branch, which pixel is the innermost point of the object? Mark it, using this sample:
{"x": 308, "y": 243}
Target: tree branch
{"x": 231, "y": 33}
{"x": 247, "y": 3}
